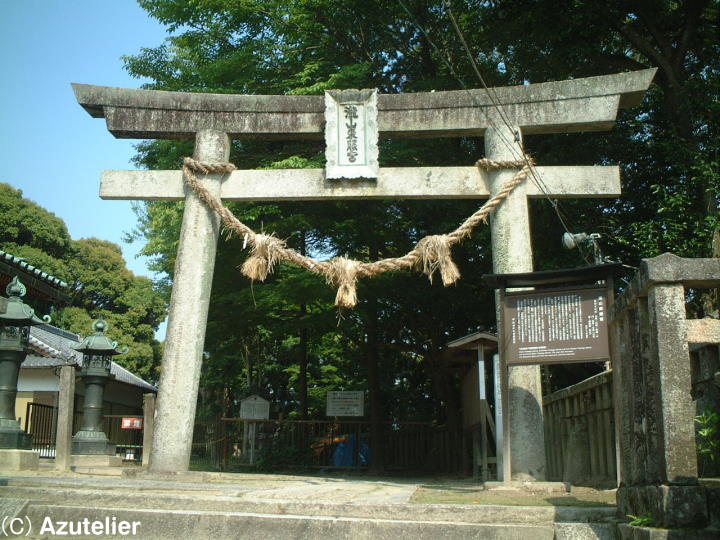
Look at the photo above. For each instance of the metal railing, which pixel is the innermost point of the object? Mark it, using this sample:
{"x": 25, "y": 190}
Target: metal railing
{"x": 231, "y": 443}
{"x": 41, "y": 424}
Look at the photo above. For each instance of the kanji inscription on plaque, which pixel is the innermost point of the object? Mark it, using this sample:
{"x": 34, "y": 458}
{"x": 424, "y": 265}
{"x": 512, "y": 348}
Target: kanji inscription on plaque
{"x": 351, "y": 134}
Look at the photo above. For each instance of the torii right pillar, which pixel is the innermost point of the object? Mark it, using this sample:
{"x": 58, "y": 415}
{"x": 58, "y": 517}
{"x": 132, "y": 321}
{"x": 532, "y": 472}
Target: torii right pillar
{"x": 512, "y": 253}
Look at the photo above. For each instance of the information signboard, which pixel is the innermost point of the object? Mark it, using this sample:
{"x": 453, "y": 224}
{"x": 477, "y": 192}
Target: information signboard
{"x": 347, "y": 403}
{"x": 557, "y": 326}
{"x": 254, "y": 408}
{"x": 131, "y": 423}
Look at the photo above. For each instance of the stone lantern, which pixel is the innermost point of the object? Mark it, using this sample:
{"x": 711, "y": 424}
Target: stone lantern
{"x": 15, "y": 326}
{"x": 97, "y": 350}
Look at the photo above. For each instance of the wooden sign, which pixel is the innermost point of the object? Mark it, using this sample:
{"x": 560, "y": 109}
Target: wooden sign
{"x": 556, "y": 327}
{"x": 348, "y": 403}
{"x": 254, "y": 408}
{"x": 131, "y": 422}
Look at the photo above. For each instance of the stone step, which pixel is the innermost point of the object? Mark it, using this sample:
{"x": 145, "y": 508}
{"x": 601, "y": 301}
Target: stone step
{"x": 98, "y": 471}
{"x": 207, "y": 500}
{"x": 174, "y": 524}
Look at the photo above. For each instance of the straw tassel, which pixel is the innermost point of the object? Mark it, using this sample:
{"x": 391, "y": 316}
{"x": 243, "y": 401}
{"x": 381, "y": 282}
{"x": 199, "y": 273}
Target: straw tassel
{"x": 435, "y": 253}
{"x": 343, "y": 274}
{"x": 266, "y": 252}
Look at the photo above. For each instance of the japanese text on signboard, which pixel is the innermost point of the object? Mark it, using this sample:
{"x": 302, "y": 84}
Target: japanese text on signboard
{"x": 556, "y": 326}
{"x": 348, "y": 403}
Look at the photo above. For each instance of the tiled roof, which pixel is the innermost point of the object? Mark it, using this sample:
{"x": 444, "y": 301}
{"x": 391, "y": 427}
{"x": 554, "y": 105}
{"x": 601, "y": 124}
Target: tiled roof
{"x": 39, "y": 284}
{"x": 54, "y": 347}
{"x": 30, "y": 269}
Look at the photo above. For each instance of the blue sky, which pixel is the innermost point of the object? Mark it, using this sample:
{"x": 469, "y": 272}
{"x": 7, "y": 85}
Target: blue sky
{"x": 51, "y": 148}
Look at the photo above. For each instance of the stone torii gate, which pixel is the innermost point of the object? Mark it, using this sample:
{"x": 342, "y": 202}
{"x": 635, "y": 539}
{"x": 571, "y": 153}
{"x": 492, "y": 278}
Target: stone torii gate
{"x": 589, "y": 104}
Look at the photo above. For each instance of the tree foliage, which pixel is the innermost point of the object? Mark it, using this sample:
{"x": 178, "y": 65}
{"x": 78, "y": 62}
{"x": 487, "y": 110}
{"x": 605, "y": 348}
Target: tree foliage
{"x": 283, "y": 338}
{"x": 99, "y": 283}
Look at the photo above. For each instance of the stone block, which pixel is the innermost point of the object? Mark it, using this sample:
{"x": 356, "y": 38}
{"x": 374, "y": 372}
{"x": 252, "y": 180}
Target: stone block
{"x": 713, "y": 504}
{"x": 90, "y": 461}
{"x": 530, "y": 486}
{"x": 18, "y": 460}
{"x": 622, "y": 498}
{"x": 629, "y": 532}
{"x": 577, "y": 457}
{"x": 585, "y": 531}
{"x": 682, "y": 506}
{"x": 15, "y": 439}
{"x": 638, "y": 503}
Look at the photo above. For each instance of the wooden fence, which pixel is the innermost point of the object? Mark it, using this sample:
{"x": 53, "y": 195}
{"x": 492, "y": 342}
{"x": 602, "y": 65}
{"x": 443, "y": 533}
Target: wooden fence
{"x": 580, "y": 433}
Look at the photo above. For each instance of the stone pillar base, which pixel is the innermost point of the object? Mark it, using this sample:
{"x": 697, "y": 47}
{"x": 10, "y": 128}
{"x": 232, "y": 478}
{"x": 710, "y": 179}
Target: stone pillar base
{"x": 15, "y": 440}
{"x": 629, "y": 532}
{"x": 18, "y": 460}
{"x": 89, "y": 461}
{"x": 670, "y": 506}
{"x": 530, "y": 486}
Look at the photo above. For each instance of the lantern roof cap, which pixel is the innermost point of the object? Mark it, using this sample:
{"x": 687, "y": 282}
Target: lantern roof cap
{"x": 99, "y": 343}
{"x": 18, "y": 313}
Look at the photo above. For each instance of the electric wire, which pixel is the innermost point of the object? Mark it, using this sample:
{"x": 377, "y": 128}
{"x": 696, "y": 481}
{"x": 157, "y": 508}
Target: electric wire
{"x": 496, "y": 103}
{"x": 492, "y": 94}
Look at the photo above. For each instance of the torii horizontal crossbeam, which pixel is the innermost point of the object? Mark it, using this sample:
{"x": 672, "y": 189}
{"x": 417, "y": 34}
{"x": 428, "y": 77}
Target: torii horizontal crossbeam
{"x": 393, "y": 183}
{"x": 588, "y": 104}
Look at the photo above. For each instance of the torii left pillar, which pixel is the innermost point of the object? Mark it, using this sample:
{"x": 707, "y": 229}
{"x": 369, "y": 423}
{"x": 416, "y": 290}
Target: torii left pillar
{"x": 194, "y": 266}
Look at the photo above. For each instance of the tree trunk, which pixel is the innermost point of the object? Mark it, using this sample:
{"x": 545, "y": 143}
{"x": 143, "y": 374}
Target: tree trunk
{"x": 372, "y": 358}
{"x": 303, "y": 362}
{"x": 302, "y": 374}
{"x": 377, "y": 440}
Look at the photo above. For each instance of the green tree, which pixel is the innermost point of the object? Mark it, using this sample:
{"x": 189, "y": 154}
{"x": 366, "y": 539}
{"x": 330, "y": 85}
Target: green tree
{"x": 99, "y": 283}
{"x": 668, "y": 147}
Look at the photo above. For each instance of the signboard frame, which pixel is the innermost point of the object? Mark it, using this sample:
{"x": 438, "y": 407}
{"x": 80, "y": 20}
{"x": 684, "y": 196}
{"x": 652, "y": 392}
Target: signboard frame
{"x": 351, "y": 134}
{"x": 251, "y": 404}
{"x": 131, "y": 422}
{"x": 586, "y": 304}
{"x": 345, "y": 403}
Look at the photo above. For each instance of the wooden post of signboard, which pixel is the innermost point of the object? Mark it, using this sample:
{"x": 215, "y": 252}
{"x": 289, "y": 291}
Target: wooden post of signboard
{"x": 499, "y": 425}
{"x": 504, "y": 392}
{"x": 253, "y": 408}
{"x": 482, "y": 427}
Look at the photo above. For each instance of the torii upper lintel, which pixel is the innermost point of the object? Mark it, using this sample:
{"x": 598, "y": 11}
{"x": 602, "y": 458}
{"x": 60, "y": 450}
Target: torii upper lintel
{"x": 587, "y": 104}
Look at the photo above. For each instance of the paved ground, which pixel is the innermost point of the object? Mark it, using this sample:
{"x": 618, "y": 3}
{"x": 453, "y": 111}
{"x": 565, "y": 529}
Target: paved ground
{"x": 272, "y": 506}
{"x": 348, "y": 489}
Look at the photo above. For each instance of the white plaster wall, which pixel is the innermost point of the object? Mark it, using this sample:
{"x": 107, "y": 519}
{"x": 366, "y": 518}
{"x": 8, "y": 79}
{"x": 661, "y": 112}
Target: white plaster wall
{"x": 43, "y": 380}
